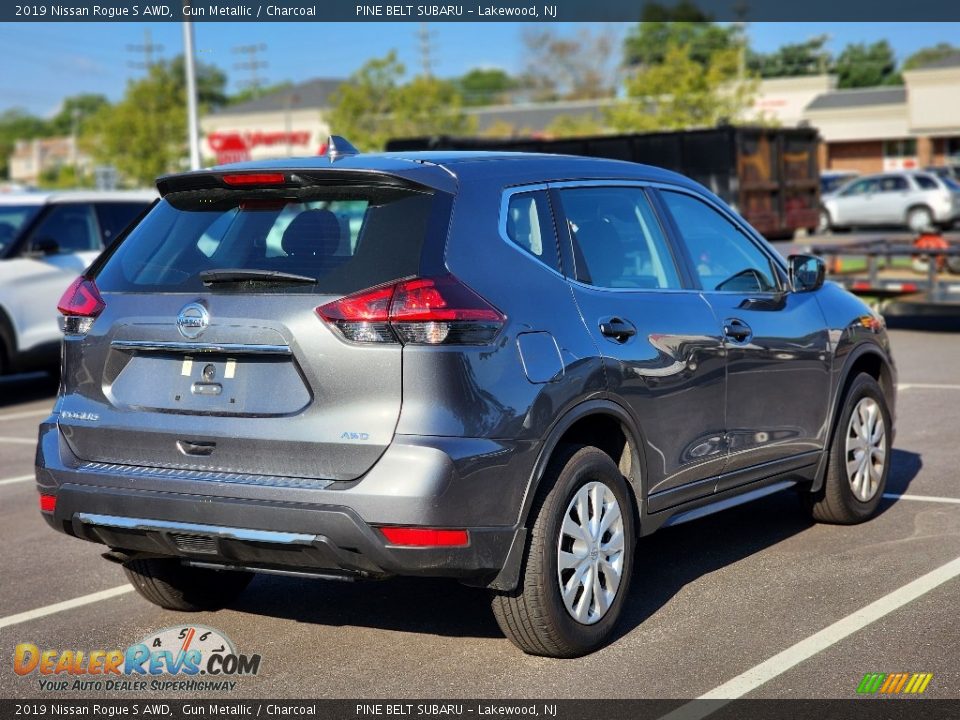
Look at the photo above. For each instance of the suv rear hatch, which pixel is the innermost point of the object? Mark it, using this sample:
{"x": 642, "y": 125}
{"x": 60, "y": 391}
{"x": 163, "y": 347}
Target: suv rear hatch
{"x": 207, "y": 352}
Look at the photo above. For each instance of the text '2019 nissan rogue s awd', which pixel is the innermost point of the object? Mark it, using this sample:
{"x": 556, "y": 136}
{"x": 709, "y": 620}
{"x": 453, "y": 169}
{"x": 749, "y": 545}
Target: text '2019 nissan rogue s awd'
{"x": 502, "y": 368}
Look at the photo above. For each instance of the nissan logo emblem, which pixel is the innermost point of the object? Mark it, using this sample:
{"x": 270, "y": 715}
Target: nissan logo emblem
{"x": 193, "y": 320}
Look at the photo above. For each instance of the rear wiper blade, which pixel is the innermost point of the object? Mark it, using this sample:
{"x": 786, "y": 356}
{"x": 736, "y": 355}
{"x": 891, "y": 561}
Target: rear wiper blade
{"x": 212, "y": 277}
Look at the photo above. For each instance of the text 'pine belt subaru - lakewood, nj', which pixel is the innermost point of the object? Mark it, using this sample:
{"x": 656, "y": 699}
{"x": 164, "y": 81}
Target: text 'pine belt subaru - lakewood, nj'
{"x": 502, "y": 368}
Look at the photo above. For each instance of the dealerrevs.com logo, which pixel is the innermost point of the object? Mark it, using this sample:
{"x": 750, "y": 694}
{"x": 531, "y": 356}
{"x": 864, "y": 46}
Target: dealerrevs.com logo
{"x": 899, "y": 683}
{"x": 190, "y": 658}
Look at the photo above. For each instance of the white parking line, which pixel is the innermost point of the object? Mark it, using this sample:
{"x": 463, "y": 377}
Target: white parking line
{"x": 923, "y": 498}
{"x": 24, "y": 414}
{"x": 928, "y": 386}
{"x": 19, "y": 441}
{"x": 18, "y": 479}
{"x": 65, "y": 605}
{"x": 805, "y": 649}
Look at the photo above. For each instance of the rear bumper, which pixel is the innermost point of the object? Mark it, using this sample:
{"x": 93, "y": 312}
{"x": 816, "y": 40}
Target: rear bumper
{"x": 304, "y": 529}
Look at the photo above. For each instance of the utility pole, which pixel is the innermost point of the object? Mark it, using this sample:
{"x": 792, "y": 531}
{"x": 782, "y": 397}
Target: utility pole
{"x": 251, "y": 65}
{"x": 147, "y": 48}
{"x": 189, "y": 66}
{"x": 425, "y": 39}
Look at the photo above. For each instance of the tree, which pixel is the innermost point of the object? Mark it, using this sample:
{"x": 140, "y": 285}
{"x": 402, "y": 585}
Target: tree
{"x": 568, "y": 68}
{"x": 793, "y": 59}
{"x": 564, "y": 126}
{"x": 928, "y": 55}
{"x": 250, "y": 93}
{"x": 374, "y": 106}
{"x": 485, "y": 86}
{"x": 862, "y": 65}
{"x": 143, "y": 135}
{"x": 681, "y": 93}
{"x": 211, "y": 83}
{"x": 647, "y": 43}
{"x": 74, "y": 112}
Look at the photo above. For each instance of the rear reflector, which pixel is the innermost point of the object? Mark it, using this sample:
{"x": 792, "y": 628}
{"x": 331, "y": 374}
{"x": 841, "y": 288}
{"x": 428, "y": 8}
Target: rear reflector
{"x": 80, "y": 305}
{"x": 422, "y": 311}
{"x": 247, "y": 179}
{"x": 48, "y": 503}
{"x": 425, "y": 537}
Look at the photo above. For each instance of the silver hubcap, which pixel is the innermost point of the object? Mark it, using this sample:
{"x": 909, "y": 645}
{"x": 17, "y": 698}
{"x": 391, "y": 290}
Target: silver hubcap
{"x": 919, "y": 220}
{"x": 590, "y": 553}
{"x": 866, "y": 449}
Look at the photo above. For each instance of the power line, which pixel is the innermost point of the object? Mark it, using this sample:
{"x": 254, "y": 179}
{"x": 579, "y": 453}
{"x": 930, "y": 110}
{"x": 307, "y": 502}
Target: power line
{"x": 251, "y": 65}
{"x": 148, "y": 48}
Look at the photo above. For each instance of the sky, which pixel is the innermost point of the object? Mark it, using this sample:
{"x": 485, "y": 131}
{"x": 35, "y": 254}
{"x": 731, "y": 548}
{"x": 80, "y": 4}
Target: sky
{"x": 45, "y": 62}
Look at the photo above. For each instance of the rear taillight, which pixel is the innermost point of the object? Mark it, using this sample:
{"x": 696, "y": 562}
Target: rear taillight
{"x": 425, "y": 537}
{"x": 422, "y": 311}
{"x": 48, "y": 503}
{"x": 80, "y": 306}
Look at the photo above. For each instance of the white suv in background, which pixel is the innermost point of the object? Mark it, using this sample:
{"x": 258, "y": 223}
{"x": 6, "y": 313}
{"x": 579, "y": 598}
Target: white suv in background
{"x": 46, "y": 240}
{"x": 916, "y": 199}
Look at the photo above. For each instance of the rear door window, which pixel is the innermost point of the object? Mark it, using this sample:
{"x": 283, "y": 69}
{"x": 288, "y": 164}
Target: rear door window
{"x": 71, "y": 226}
{"x": 617, "y": 239}
{"x": 346, "y": 238}
{"x": 115, "y": 216}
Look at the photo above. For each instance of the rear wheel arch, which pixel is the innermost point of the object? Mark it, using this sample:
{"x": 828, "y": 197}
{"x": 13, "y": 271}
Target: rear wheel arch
{"x": 919, "y": 206}
{"x": 603, "y": 424}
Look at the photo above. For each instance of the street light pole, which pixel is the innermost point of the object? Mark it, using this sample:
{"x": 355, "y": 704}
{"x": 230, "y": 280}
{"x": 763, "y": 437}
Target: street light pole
{"x": 191, "y": 73}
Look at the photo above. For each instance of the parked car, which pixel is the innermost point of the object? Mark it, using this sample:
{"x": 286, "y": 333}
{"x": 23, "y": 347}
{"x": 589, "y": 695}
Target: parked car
{"x": 945, "y": 171}
{"x": 919, "y": 200}
{"x": 45, "y": 240}
{"x": 833, "y": 180}
{"x": 510, "y": 370}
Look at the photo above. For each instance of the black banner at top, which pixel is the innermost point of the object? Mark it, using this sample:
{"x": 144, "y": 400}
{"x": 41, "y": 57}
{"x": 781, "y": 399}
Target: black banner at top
{"x": 480, "y": 11}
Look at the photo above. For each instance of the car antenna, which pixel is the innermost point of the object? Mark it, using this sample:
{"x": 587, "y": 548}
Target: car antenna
{"x": 338, "y": 147}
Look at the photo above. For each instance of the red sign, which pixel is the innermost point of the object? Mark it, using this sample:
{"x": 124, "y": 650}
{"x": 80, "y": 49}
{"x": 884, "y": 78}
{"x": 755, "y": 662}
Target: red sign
{"x": 236, "y": 146}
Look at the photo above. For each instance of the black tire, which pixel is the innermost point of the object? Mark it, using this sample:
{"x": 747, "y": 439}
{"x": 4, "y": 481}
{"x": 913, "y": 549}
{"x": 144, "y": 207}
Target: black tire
{"x": 836, "y": 502}
{"x": 174, "y": 586}
{"x": 826, "y": 222}
{"x": 533, "y": 616}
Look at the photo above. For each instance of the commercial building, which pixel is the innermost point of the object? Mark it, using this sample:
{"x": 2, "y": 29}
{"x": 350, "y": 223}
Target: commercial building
{"x": 283, "y": 123}
{"x": 31, "y": 159}
{"x": 878, "y": 129}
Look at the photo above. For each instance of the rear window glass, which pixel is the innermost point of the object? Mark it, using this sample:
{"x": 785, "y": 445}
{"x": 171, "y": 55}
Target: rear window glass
{"x": 347, "y": 239}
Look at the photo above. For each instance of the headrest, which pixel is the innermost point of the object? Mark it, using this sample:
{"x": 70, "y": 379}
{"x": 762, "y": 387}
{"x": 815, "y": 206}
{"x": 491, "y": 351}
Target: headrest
{"x": 312, "y": 233}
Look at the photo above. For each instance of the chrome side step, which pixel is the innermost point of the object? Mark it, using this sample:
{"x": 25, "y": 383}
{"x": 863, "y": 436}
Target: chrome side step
{"x": 727, "y": 503}
{"x": 232, "y": 533}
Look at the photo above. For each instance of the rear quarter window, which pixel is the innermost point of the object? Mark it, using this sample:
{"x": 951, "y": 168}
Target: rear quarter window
{"x": 348, "y": 239}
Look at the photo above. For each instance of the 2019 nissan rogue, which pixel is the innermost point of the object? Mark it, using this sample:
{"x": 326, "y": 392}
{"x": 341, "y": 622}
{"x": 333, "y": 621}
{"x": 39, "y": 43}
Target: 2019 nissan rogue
{"x": 502, "y": 368}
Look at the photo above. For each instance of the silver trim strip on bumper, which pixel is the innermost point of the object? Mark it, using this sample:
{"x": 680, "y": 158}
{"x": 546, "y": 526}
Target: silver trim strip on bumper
{"x": 232, "y": 533}
{"x": 198, "y": 347}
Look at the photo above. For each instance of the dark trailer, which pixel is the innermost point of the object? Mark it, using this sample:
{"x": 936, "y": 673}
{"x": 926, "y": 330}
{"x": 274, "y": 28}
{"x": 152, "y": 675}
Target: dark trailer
{"x": 769, "y": 175}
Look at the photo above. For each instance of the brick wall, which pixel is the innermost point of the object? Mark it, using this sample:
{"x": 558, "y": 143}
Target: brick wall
{"x": 864, "y": 157}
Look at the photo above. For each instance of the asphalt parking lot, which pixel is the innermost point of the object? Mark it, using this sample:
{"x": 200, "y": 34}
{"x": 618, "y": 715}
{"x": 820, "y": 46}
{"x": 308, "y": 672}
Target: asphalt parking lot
{"x": 710, "y": 601}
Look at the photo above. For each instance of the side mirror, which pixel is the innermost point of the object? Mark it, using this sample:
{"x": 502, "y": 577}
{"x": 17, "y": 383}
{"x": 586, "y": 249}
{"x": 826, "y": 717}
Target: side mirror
{"x": 807, "y": 272}
{"x": 44, "y": 246}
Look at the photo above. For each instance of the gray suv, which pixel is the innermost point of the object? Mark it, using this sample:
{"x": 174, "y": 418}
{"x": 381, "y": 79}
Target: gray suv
{"x": 501, "y": 368}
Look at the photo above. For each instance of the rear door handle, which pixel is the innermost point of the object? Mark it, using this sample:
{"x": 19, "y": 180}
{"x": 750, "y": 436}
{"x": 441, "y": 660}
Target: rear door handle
{"x": 617, "y": 329}
{"x": 737, "y": 330}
